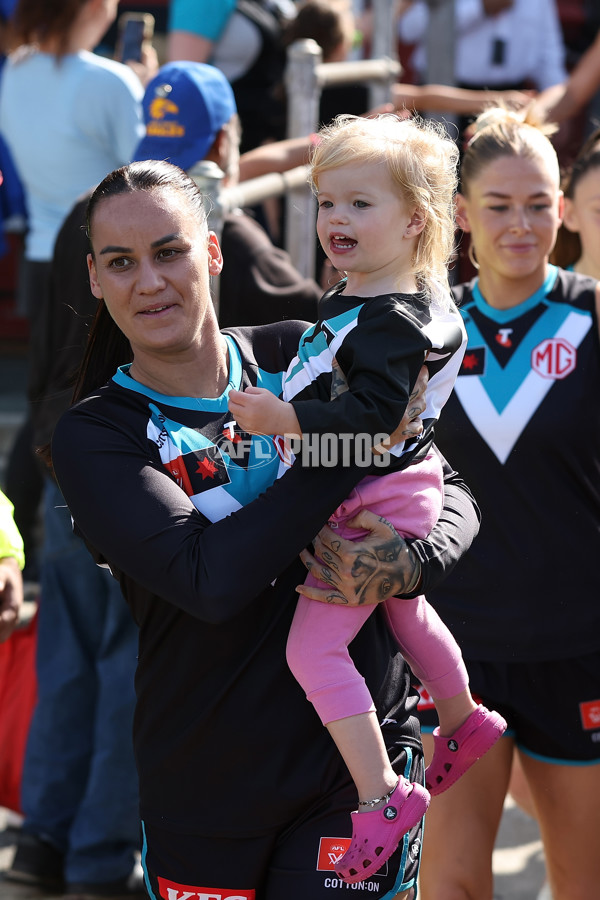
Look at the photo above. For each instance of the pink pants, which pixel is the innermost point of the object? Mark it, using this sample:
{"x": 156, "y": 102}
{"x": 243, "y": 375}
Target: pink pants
{"x": 317, "y": 649}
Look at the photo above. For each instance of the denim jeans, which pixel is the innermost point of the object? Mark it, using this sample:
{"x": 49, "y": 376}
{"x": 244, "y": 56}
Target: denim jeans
{"x": 79, "y": 789}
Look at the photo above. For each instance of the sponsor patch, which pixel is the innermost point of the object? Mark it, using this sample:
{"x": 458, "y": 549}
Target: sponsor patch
{"x": 331, "y": 851}
{"x": 425, "y": 698}
{"x": 171, "y": 890}
{"x": 199, "y": 470}
{"x": 554, "y": 358}
{"x": 590, "y": 714}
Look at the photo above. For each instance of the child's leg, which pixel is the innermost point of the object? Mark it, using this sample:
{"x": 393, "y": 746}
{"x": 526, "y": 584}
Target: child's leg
{"x": 431, "y": 651}
{"x": 388, "y": 806}
{"x": 317, "y": 654}
{"x": 411, "y": 500}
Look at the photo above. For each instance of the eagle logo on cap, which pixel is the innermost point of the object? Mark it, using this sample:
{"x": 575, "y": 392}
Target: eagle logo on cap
{"x": 161, "y": 107}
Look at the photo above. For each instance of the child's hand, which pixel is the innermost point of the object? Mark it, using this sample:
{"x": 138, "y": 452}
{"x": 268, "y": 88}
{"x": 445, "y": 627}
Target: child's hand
{"x": 258, "y": 411}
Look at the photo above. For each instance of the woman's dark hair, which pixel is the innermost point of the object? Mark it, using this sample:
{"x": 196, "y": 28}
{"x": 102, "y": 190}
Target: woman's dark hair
{"x": 567, "y": 249}
{"x": 34, "y": 21}
{"x": 107, "y": 347}
{"x": 326, "y": 24}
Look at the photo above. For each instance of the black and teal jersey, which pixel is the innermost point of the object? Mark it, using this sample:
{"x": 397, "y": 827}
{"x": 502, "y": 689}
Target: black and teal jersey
{"x": 220, "y": 467}
{"x": 380, "y": 344}
{"x": 523, "y": 427}
{"x": 210, "y": 578}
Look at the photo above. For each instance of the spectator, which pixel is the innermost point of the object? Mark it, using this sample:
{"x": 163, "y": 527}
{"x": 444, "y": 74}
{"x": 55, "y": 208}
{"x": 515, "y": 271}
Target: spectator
{"x": 499, "y": 44}
{"x": 79, "y": 794}
{"x": 12, "y": 561}
{"x": 61, "y": 148}
{"x": 244, "y": 40}
{"x": 563, "y": 101}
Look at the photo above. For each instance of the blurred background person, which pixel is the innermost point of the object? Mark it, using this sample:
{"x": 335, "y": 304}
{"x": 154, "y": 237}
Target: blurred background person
{"x": 498, "y": 44}
{"x": 61, "y": 147}
{"x": 578, "y": 242}
{"x": 244, "y": 40}
{"x": 79, "y": 791}
{"x": 12, "y": 560}
{"x": 532, "y": 648}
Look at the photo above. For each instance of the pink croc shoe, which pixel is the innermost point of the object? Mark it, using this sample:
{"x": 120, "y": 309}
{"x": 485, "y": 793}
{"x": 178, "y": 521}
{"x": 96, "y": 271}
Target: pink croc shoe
{"x": 455, "y": 754}
{"x": 376, "y": 834}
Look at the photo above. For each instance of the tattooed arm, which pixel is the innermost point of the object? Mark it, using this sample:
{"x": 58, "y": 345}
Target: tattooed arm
{"x": 360, "y": 572}
{"x": 384, "y": 564}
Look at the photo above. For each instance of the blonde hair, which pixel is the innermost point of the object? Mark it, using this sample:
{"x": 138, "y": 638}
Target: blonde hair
{"x": 422, "y": 161}
{"x": 499, "y": 131}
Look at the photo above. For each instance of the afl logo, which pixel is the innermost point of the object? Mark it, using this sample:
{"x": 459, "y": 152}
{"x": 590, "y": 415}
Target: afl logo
{"x": 554, "y": 358}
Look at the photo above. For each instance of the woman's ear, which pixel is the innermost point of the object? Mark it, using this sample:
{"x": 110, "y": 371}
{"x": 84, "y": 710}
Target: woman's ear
{"x": 215, "y": 257}
{"x": 562, "y": 212}
{"x": 94, "y": 285}
{"x": 460, "y": 211}
{"x": 570, "y": 218}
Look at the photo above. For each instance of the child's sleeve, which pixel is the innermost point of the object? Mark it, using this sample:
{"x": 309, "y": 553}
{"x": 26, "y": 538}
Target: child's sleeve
{"x": 380, "y": 358}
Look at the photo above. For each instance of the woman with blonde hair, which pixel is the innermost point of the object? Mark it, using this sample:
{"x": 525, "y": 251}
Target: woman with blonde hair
{"x": 523, "y": 611}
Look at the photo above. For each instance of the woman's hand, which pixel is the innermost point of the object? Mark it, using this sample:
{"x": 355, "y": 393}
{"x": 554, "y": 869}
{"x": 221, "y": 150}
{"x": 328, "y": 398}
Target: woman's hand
{"x": 361, "y": 572}
{"x": 379, "y": 566}
{"x": 11, "y": 596}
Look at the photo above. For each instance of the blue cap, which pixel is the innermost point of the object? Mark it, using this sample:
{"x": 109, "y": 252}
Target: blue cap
{"x": 185, "y": 106}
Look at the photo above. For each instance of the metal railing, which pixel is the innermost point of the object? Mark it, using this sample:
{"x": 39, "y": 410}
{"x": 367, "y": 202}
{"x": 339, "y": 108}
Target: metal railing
{"x": 306, "y": 77}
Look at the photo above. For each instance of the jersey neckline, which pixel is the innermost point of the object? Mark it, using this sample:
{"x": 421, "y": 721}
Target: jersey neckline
{"x": 506, "y": 315}
{"x": 208, "y": 404}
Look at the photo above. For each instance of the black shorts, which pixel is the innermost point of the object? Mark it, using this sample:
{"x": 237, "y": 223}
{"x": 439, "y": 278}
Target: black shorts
{"x": 552, "y": 708}
{"x": 292, "y": 863}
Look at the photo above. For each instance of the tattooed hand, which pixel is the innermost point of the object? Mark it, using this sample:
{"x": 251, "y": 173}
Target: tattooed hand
{"x": 369, "y": 570}
{"x": 377, "y": 566}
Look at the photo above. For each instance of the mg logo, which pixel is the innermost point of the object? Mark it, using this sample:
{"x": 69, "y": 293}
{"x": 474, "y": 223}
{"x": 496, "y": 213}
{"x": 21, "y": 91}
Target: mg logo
{"x": 554, "y": 358}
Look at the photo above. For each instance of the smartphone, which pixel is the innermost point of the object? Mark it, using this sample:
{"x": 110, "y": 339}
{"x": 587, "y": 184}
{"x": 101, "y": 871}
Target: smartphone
{"x": 134, "y": 30}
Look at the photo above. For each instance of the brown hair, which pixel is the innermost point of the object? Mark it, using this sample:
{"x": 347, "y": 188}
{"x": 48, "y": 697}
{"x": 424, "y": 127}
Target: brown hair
{"x": 329, "y": 24}
{"x": 38, "y": 20}
{"x": 567, "y": 249}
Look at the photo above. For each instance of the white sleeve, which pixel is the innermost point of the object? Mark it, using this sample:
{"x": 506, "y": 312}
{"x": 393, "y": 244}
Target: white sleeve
{"x": 412, "y": 25}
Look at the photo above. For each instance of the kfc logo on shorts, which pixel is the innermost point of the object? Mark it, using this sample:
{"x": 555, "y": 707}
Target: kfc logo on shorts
{"x": 331, "y": 851}
{"x": 590, "y": 715}
{"x": 170, "y": 890}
